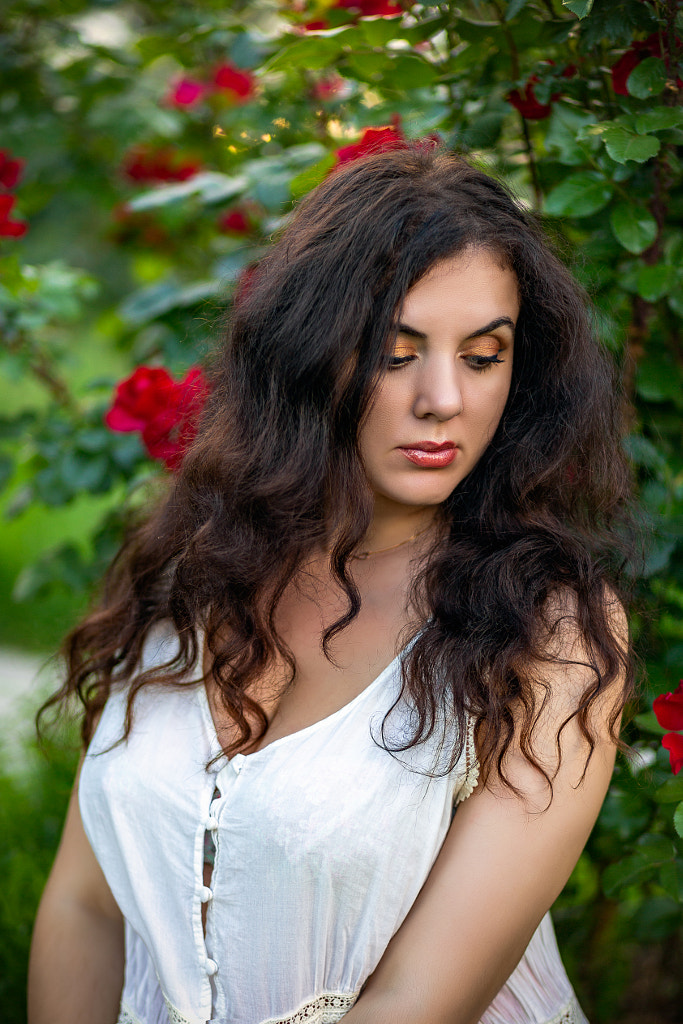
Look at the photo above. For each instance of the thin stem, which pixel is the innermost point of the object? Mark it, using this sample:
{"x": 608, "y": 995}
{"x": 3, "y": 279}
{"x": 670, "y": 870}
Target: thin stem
{"x": 509, "y": 39}
{"x": 533, "y": 169}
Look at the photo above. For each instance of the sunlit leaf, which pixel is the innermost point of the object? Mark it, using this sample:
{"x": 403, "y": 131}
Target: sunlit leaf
{"x": 581, "y": 8}
{"x": 209, "y": 186}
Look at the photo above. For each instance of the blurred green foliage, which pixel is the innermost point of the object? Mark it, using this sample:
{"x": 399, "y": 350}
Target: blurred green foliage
{"x": 136, "y": 158}
{"x": 32, "y": 807}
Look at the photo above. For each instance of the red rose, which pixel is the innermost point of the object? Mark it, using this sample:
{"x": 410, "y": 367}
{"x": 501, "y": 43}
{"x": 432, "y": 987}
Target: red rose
{"x": 164, "y": 410}
{"x": 373, "y": 140}
{"x": 673, "y": 742}
{"x": 234, "y": 222}
{"x": 371, "y": 8}
{"x": 668, "y": 708}
{"x": 526, "y": 102}
{"x": 145, "y": 163}
{"x": 10, "y": 228}
{"x": 185, "y": 92}
{"x": 229, "y": 78}
{"x": 10, "y": 170}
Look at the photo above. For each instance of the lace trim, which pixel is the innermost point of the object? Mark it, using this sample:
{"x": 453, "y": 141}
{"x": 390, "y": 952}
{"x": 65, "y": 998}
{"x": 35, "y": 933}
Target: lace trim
{"x": 326, "y": 1009}
{"x": 126, "y": 1016}
{"x": 175, "y": 1016}
{"x": 571, "y": 1014}
{"x": 331, "y": 1007}
{"x": 472, "y": 775}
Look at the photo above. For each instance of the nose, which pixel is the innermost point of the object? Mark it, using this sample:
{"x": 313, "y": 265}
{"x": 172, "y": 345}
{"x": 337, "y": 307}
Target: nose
{"x": 438, "y": 392}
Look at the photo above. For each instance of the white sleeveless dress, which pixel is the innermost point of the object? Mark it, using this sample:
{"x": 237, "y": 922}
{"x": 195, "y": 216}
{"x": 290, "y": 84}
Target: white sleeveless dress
{"x": 323, "y": 841}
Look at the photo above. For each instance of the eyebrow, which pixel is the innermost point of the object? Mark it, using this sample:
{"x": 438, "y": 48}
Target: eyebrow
{"x": 500, "y": 321}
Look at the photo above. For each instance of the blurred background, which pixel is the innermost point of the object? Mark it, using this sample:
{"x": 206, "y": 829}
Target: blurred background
{"x": 148, "y": 152}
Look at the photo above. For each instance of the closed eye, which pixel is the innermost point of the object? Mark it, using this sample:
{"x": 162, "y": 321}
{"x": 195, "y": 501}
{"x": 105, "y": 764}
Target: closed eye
{"x": 483, "y": 362}
{"x": 396, "y": 361}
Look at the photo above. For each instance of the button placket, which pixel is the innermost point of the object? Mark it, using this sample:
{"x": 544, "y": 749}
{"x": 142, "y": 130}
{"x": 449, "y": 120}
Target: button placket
{"x": 208, "y": 965}
{"x": 224, "y": 780}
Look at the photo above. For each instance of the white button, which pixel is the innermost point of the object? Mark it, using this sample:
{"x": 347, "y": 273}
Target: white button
{"x": 205, "y": 894}
{"x": 210, "y": 966}
{"x": 211, "y": 824}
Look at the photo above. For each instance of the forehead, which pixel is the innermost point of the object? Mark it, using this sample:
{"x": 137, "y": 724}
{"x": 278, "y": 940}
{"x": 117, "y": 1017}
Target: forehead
{"x": 476, "y": 283}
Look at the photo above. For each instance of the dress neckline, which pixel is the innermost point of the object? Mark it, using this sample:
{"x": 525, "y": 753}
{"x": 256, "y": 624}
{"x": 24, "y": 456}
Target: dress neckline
{"x": 307, "y": 729}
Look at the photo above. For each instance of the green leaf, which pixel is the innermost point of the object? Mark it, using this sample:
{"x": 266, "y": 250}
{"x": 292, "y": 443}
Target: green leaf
{"x": 647, "y": 78}
{"x": 513, "y": 8}
{"x": 659, "y": 119}
{"x": 634, "y": 227}
{"x": 209, "y": 186}
{"x": 660, "y": 381}
{"x": 642, "y": 452}
{"x": 302, "y": 183}
{"x": 579, "y": 195}
{"x": 671, "y": 792}
{"x": 678, "y": 820}
{"x": 656, "y": 918}
{"x": 581, "y": 8}
{"x": 379, "y": 31}
{"x": 650, "y": 853}
{"x": 367, "y": 65}
{"x": 647, "y": 721}
{"x": 671, "y": 880}
{"x": 149, "y": 303}
{"x": 412, "y": 72}
{"x": 315, "y": 52}
{"x": 623, "y": 144}
{"x": 658, "y": 557}
{"x": 655, "y": 282}
{"x": 562, "y": 137}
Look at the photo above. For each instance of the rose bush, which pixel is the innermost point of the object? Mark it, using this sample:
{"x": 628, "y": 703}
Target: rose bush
{"x": 154, "y": 155}
{"x": 668, "y": 709}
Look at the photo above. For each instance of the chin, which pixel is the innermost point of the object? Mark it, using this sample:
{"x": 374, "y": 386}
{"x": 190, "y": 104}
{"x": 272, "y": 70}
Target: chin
{"x": 417, "y": 497}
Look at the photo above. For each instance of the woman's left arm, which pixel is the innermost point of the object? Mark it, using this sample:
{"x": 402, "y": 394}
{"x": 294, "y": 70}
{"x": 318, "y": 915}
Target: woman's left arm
{"x": 505, "y": 860}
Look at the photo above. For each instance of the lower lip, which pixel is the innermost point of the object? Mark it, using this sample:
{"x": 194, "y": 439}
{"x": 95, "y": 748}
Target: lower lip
{"x": 430, "y": 460}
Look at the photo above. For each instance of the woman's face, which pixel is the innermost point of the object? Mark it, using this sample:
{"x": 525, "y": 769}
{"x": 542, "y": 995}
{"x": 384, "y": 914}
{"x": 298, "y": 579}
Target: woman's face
{"x": 440, "y": 401}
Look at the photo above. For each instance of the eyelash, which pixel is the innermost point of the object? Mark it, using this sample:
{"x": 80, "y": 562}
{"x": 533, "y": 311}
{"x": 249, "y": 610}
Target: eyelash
{"x": 483, "y": 362}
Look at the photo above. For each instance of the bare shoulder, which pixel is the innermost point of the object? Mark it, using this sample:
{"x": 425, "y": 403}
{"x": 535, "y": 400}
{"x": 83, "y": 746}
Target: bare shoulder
{"x": 563, "y": 627}
{"x": 574, "y": 690}
{"x": 581, "y": 652}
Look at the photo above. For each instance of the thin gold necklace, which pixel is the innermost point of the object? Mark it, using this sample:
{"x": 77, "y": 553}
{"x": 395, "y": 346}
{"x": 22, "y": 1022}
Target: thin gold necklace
{"x": 362, "y": 555}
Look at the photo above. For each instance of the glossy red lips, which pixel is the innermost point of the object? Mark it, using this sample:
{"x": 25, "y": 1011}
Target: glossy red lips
{"x": 429, "y": 455}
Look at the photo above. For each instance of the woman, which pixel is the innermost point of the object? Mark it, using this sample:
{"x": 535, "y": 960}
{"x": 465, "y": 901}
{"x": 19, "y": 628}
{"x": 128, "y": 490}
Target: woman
{"x": 383, "y": 585}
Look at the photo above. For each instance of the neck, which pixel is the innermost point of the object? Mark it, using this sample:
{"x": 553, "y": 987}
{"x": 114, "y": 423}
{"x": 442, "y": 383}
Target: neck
{"x": 396, "y": 528}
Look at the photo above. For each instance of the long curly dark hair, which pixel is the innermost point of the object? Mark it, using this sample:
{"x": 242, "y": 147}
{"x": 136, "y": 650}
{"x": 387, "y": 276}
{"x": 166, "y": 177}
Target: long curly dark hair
{"x": 275, "y": 471}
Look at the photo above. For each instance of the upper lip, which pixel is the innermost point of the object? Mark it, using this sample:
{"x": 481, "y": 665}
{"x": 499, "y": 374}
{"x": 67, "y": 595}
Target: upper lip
{"x": 430, "y": 446}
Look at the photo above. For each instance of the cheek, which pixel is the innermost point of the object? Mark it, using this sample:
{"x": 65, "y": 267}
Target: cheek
{"x": 487, "y": 409}
{"x": 381, "y": 421}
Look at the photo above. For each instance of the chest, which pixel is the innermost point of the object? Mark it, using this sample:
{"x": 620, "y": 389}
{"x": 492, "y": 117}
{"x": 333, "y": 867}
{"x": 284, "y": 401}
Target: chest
{"x": 322, "y": 685}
